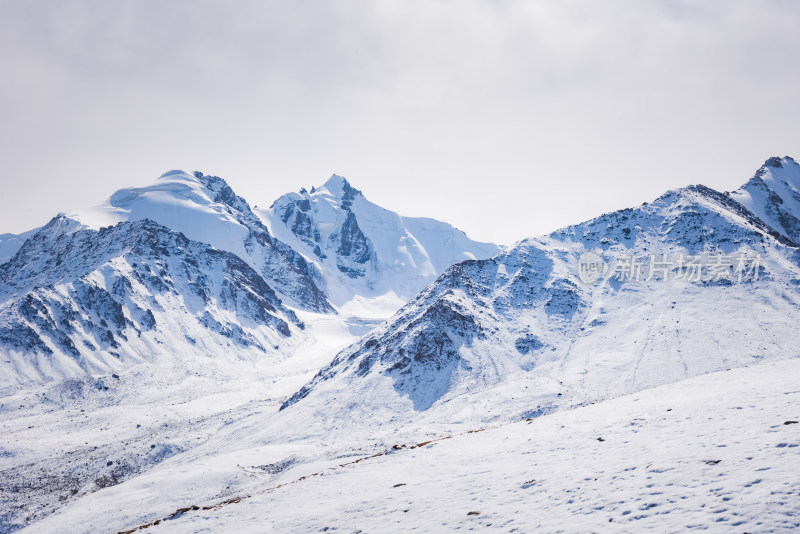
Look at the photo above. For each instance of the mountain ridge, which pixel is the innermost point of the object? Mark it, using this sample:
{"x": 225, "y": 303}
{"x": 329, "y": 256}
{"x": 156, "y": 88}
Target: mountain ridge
{"x": 524, "y": 316}
{"x": 193, "y": 212}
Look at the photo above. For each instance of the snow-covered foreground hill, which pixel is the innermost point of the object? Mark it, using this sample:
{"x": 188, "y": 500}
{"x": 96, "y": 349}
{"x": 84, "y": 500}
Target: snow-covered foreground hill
{"x": 67, "y": 439}
{"x": 716, "y": 453}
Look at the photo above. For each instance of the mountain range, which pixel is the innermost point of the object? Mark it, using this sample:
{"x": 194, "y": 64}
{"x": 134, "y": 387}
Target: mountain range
{"x": 185, "y": 267}
{"x": 520, "y": 334}
{"x": 174, "y": 335}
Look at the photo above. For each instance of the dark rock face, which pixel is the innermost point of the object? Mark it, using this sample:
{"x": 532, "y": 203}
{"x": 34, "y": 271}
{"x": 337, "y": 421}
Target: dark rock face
{"x": 528, "y": 343}
{"x": 354, "y": 248}
{"x": 349, "y": 194}
{"x": 774, "y": 162}
{"x": 295, "y": 215}
{"x": 423, "y": 362}
{"x": 19, "y": 336}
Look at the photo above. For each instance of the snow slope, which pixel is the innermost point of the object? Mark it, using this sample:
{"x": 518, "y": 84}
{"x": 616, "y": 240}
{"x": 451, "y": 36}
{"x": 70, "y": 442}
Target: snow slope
{"x": 65, "y": 440}
{"x": 372, "y": 260}
{"x": 714, "y": 453}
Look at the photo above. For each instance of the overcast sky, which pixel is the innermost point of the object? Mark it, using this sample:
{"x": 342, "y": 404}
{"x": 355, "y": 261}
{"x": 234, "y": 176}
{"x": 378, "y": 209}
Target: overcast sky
{"x": 506, "y": 119}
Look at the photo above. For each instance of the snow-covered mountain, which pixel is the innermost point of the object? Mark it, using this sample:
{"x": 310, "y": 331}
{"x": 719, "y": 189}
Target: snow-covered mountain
{"x": 372, "y": 260}
{"x": 175, "y": 300}
{"x": 77, "y": 301}
{"x": 102, "y": 289}
{"x": 205, "y": 209}
{"x": 586, "y": 314}
{"x": 178, "y": 271}
{"x": 521, "y": 334}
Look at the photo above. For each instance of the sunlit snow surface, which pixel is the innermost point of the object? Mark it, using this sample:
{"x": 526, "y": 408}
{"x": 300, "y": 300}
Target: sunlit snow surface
{"x": 711, "y": 453}
{"x": 58, "y": 439}
{"x": 177, "y": 200}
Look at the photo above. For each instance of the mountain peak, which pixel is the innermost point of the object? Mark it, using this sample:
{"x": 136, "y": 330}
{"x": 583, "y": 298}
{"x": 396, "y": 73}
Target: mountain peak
{"x": 217, "y": 186}
{"x": 783, "y": 170}
{"x": 339, "y": 187}
{"x": 205, "y": 209}
{"x": 784, "y": 165}
{"x": 336, "y": 181}
{"x": 177, "y": 174}
{"x": 773, "y": 195}
{"x": 371, "y": 258}
{"x": 777, "y": 163}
